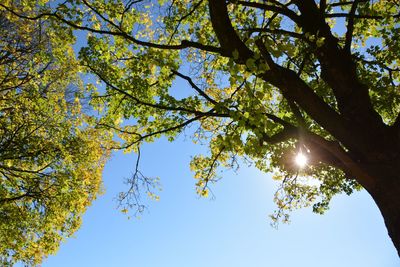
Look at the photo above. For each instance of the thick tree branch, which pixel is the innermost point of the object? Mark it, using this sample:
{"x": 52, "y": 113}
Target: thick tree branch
{"x": 294, "y": 89}
{"x": 225, "y": 32}
{"x": 339, "y": 71}
{"x": 322, "y": 5}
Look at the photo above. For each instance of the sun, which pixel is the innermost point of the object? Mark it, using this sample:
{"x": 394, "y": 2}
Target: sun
{"x": 301, "y": 160}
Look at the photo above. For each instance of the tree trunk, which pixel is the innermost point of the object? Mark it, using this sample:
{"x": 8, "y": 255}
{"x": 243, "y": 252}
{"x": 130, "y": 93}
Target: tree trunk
{"x": 386, "y": 194}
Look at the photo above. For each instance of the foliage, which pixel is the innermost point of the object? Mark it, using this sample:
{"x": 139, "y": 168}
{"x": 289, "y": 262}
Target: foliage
{"x": 266, "y": 80}
{"x": 51, "y": 159}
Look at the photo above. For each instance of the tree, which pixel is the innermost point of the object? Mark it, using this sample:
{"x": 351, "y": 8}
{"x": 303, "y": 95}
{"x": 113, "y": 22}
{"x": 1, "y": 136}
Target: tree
{"x": 51, "y": 159}
{"x": 267, "y": 80}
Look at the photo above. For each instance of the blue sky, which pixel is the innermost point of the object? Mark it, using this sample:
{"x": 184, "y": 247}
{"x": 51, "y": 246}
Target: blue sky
{"x": 232, "y": 230}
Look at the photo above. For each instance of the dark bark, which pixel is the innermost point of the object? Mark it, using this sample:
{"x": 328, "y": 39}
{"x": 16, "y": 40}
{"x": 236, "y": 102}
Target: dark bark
{"x": 386, "y": 194}
{"x": 387, "y": 200}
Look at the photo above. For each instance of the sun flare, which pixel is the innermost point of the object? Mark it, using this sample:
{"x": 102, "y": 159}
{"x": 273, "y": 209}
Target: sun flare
{"x": 301, "y": 160}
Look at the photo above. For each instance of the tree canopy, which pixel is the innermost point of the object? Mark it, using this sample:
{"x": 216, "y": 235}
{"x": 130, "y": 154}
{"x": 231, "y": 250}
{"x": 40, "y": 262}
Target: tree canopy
{"x": 51, "y": 159}
{"x": 266, "y": 81}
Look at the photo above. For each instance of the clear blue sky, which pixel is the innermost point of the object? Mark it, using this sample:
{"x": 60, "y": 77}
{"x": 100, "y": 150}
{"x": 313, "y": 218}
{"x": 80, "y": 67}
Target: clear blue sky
{"x": 233, "y": 230}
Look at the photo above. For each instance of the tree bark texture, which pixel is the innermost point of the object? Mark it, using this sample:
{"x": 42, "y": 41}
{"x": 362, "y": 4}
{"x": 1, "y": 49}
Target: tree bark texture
{"x": 386, "y": 194}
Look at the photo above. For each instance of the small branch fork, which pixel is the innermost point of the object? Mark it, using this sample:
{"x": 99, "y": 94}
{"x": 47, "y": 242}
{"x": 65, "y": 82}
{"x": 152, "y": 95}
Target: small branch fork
{"x": 132, "y": 197}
